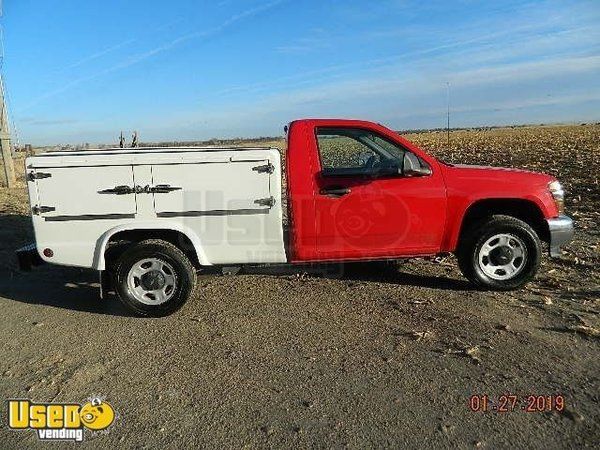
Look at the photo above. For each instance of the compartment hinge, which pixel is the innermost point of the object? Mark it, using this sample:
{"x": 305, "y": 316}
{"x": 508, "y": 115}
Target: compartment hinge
{"x": 265, "y": 168}
{"x": 37, "y": 210}
{"x": 32, "y": 176}
{"x": 269, "y": 201}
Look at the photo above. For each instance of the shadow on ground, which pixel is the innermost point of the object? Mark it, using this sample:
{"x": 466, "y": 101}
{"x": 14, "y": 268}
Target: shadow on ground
{"x": 60, "y": 287}
{"x": 68, "y": 288}
{"x": 15, "y": 231}
{"x": 380, "y": 272}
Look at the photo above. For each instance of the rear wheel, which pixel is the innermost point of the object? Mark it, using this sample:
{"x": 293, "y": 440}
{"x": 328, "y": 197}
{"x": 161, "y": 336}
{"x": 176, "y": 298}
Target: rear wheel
{"x": 501, "y": 253}
{"x": 154, "y": 278}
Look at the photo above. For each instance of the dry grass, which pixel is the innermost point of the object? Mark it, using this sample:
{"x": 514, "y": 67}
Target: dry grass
{"x": 571, "y": 153}
{"x": 14, "y": 201}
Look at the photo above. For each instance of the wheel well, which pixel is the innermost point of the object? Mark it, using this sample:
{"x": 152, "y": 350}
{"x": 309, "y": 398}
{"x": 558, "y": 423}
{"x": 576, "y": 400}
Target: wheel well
{"x": 524, "y": 210}
{"x": 119, "y": 242}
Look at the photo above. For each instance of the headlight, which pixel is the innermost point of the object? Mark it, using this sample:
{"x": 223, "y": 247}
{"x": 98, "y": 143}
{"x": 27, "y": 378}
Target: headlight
{"x": 558, "y": 193}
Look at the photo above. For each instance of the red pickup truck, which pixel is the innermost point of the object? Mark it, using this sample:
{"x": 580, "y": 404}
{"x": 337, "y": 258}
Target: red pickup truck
{"x": 359, "y": 191}
{"x": 356, "y": 191}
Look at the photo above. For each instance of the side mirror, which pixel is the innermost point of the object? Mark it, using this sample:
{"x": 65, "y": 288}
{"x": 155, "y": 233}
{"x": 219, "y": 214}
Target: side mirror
{"x": 412, "y": 166}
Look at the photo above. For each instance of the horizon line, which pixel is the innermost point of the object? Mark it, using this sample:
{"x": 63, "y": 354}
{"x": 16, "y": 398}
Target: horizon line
{"x": 574, "y": 123}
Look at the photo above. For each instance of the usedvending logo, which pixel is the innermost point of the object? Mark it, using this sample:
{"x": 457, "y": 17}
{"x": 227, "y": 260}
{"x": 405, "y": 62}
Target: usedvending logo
{"x": 61, "y": 421}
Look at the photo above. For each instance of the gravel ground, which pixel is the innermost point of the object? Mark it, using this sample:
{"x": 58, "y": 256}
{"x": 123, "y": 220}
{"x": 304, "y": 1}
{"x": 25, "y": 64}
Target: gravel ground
{"x": 376, "y": 356}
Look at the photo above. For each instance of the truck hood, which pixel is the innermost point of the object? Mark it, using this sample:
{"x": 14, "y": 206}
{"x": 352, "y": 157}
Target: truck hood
{"x": 499, "y": 176}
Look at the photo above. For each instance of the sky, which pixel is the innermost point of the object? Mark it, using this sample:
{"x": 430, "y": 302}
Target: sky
{"x": 80, "y": 71}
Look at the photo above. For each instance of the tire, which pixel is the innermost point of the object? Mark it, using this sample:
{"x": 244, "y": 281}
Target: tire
{"x": 154, "y": 278}
{"x": 489, "y": 253}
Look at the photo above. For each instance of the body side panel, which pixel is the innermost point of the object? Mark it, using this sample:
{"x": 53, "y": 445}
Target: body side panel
{"x": 219, "y": 236}
{"x": 300, "y": 186}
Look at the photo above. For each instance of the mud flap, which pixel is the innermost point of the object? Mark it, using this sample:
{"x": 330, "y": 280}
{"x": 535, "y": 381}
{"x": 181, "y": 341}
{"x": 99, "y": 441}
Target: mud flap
{"x": 105, "y": 283}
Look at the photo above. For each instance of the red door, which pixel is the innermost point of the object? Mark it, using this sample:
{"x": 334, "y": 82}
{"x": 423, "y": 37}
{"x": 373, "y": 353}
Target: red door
{"x": 365, "y": 207}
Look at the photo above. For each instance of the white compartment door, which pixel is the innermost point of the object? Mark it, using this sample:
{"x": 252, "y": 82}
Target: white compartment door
{"x": 80, "y": 193}
{"x": 212, "y": 189}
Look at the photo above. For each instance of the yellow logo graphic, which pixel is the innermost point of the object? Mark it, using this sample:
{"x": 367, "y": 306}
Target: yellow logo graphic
{"x": 96, "y": 415}
{"x": 60, "y": 421}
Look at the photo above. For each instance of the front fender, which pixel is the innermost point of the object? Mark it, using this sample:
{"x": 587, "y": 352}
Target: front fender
{"x": 461, "y": 207}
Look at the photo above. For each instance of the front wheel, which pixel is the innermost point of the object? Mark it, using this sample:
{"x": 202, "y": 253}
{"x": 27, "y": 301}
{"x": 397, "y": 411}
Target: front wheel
{"x": 154, "y": 278}
{"x": 501, "y": 253}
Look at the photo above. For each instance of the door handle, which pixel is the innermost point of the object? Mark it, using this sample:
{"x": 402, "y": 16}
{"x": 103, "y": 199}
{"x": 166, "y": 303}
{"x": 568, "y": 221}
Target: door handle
{"x": 118, "y": 190}
{"x": 123, "y": 190}
{"x": 335, "y": 191}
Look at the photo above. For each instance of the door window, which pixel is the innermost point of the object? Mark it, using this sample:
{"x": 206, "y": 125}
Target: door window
{"x": 354, "y": 151}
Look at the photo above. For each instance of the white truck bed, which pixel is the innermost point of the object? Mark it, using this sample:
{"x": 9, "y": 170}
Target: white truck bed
{"x": 227, "y": 201}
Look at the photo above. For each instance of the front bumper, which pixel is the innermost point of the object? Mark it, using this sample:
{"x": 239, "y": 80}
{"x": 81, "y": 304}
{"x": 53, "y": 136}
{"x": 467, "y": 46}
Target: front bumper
{"x": 561, "y": 232}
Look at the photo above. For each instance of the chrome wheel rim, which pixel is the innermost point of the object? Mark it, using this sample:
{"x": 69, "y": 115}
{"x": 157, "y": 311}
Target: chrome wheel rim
{"x": 152, "y": 281}
{"x": 502, "y": 257}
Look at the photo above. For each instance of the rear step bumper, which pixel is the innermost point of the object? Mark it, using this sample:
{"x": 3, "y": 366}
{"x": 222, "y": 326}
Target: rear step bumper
{"x": 28, "y": 257}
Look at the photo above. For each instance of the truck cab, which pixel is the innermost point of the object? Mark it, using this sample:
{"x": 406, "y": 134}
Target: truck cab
{"x": 357, "y": 191}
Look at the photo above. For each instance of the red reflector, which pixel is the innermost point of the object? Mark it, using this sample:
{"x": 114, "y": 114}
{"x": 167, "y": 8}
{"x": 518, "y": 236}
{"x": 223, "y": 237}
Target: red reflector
{"x": 48, "y": 253}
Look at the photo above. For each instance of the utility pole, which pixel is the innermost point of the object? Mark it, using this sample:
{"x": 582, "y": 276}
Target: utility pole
{"x": 448, "y": 113}
{"x": 9, "y": 166}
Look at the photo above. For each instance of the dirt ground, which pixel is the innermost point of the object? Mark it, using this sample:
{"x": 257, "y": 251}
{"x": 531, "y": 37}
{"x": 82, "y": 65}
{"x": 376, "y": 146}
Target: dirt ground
{"x": 377, "y": 357}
